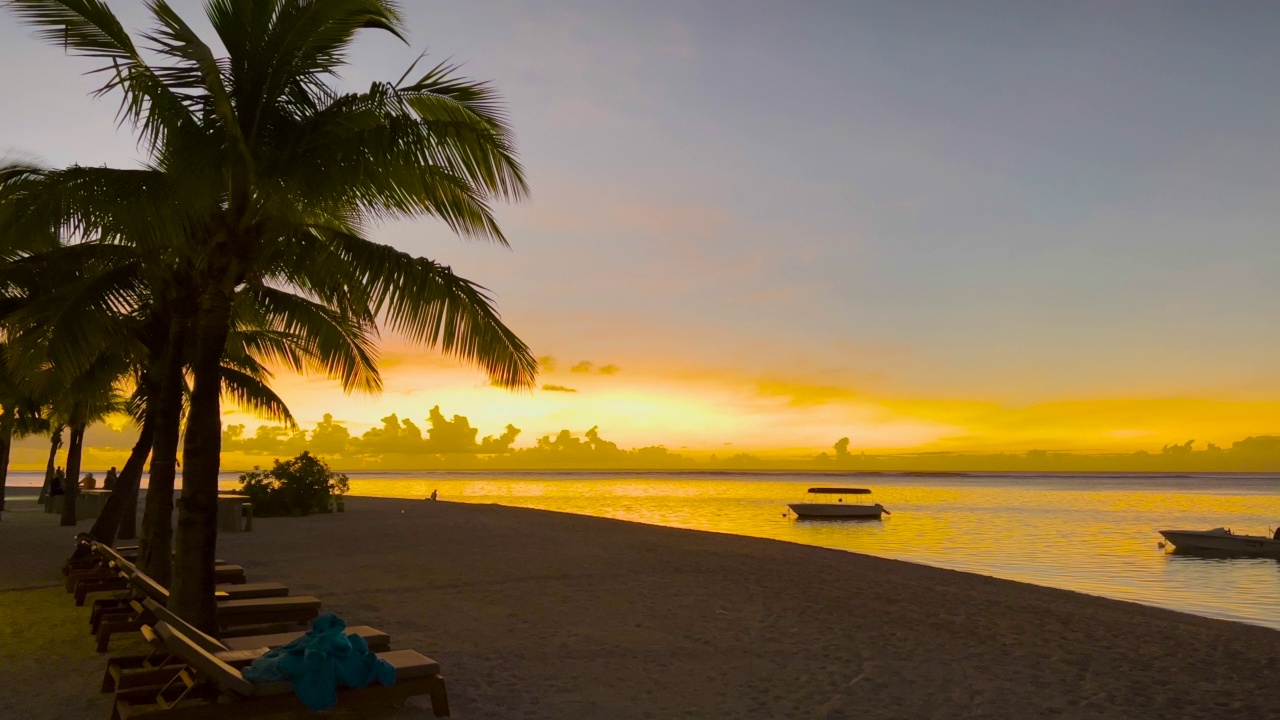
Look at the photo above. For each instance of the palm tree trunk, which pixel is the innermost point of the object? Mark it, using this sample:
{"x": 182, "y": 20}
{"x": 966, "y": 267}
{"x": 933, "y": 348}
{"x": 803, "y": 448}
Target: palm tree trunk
{"x": 108, "y": 524}
{"x": 55, "y": 442}
{"x": 131, "y": 478}
{"x": 192, "y": 591}
{"x": 6, "y": 442}
{"x": 74, "y": 447}
{"x": 155, "y": 547}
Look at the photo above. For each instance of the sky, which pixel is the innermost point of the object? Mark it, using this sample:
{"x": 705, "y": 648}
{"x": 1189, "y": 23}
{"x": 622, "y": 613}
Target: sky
{"x": 965, "y": 227}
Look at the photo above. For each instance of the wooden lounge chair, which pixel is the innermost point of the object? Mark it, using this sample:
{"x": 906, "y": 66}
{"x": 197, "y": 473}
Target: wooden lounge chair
{"x": 104, "y": 575}
{"x": 231, "y": 584}
{"x": 293, "y": 610}
{"x": 159, "y": 666}
{"x": 125, "y": 570}
{"x": 208, "y": 688}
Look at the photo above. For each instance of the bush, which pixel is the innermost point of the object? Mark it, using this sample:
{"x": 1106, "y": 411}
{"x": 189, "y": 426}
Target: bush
{"x": 301, "y": 486}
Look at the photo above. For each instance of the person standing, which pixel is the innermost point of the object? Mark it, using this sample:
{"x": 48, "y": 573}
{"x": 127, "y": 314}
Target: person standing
{"x": 109, "y": 482}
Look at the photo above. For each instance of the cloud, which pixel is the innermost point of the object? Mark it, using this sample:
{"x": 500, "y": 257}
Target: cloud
{"x": 558, "y": 388}
{"x": 546, "y": 363}
{"x": 586, "y": 366}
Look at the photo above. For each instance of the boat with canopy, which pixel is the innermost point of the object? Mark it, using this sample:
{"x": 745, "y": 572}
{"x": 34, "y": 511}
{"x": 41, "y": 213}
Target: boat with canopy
{"x": 838, "y": 508}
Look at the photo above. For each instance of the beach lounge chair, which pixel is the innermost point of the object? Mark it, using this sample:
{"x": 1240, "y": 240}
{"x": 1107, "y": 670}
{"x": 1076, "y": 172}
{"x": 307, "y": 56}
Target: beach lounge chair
{"x": 125, "y": 570}
{"x": 231, "y": 584}
{"x": 209, "y": 688}
{"x": 159, "y": 666}
{"x": 290, "y": 610}
{"x": 104, "y": 575}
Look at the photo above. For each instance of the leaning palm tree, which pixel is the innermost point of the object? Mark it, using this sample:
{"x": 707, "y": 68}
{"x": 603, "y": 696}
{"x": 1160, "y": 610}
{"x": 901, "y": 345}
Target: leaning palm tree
{"x": 55, "y": 444}
{"x": 279, "y": 176}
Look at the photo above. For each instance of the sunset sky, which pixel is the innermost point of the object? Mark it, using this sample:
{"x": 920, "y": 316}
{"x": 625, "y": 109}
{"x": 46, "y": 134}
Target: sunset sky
{"x": 764, "y": 226}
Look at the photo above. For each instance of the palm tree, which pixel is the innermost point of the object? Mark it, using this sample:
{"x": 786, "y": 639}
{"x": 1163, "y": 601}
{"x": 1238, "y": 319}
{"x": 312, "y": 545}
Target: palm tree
{"x": 278, "y": 176}
{"x": 108, "y": 301}
{"x": 20, "y": 416}
{"x": 84, "y": 398}
{"x": 55, "y": 443}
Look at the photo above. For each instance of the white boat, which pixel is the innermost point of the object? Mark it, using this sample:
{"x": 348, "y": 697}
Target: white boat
{"x": 839, "y": 508}
{"x": 1221, "y": 541}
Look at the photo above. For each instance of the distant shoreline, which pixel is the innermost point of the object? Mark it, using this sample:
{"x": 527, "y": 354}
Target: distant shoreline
{"x": 20, "y": 482}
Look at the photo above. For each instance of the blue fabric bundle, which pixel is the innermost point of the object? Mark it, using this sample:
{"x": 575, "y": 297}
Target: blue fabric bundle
{"x": 320, "y": 662}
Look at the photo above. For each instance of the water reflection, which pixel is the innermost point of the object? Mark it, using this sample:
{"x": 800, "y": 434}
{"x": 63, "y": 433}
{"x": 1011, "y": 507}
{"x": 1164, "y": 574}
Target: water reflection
{"x": 1086, "y": 534}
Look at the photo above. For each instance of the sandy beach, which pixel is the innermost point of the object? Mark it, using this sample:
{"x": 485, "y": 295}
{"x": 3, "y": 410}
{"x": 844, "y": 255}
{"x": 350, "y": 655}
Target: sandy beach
{"x": 535, "y": 614}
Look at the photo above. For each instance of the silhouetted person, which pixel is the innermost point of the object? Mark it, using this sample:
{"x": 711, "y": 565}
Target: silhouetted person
{"x": 109, "y": 482}
{"x": 433, "y": 494}
{"x": 55, "y": 486}
{"x": 89, "y": 482}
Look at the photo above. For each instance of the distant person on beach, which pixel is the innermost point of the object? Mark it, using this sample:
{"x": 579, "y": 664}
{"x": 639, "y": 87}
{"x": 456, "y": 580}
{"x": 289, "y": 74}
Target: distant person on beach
{"x": 109, "y": 482}
{"x": 433, "y": 494}
{"x": 58, "y": 486}
{"x": 89, "y": 482}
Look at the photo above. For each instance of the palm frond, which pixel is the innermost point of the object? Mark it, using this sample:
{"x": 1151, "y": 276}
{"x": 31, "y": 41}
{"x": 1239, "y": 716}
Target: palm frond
{"x": 318, "y": 338}
{"x": 89, "y": 28}
{"x": 430, "y": 305}
{"x": 254, "y": 395}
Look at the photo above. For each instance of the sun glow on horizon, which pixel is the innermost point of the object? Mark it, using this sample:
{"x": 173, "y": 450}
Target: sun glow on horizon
{"x": 698, "y": 413}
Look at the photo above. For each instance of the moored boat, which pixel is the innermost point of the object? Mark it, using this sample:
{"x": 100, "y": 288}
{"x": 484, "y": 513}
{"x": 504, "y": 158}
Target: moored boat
{"x": 1221, "y": 541}
{"x": 839, "y": 508}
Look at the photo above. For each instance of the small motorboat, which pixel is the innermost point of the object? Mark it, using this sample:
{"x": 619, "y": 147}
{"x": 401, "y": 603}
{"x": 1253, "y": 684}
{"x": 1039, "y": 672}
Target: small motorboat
{"x": 839, "y": 508}
{"x": 1223, "y": 542}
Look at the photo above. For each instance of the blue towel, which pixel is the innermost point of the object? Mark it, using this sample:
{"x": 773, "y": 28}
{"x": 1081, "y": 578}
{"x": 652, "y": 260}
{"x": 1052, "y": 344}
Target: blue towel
{"x": 320, "y": 662}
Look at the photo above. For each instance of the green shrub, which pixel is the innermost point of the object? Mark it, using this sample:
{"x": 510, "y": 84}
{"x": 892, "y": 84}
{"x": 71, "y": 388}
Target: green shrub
{"x": 301, "y": 486}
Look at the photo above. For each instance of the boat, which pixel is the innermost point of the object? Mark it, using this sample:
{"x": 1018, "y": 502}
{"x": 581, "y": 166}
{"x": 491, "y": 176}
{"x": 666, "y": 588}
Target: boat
{"x": 839, "y": 508}
{"x": 1221, "y": 541}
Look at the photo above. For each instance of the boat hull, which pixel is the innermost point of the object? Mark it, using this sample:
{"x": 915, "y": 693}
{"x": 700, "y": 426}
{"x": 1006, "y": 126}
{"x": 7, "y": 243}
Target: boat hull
{"x": 1219, "y": 542}
{"x": 837, "y": 510}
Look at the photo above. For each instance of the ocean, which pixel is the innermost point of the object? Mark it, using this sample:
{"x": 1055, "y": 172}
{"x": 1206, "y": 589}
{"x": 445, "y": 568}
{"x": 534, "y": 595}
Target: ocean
{"x": 1093, "y": 534}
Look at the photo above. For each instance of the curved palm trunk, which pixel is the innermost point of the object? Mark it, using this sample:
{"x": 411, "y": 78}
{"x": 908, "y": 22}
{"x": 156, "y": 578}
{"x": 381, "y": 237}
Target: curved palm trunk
{"x": 129, "y": 516}
{"x": 155, "y": 547}
{"x": 192, "y": 591}
{"x": 55, "y": 442}
{"x": 74, "y": 448}
{"x": 109, "y": 522}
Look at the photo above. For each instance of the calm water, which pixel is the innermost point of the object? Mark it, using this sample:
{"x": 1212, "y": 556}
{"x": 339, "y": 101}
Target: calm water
{"x": 1086, "y": 533}
{"x": 1093, "y": 535}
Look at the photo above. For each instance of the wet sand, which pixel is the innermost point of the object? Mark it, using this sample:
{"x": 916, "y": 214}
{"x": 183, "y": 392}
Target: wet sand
{"x": 535, "y": 614}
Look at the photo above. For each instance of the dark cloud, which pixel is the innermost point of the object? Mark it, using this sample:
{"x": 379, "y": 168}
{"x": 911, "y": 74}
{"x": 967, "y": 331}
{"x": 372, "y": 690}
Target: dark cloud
{"x": 546, "y": 363}
{"x": 558, "y": 388}
{"x": 610, "y": 369}
{"x": 395, "y": 437}
{"x": 582, "y": 367}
